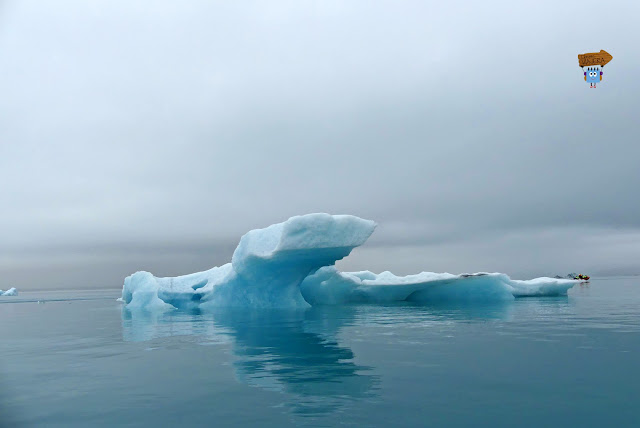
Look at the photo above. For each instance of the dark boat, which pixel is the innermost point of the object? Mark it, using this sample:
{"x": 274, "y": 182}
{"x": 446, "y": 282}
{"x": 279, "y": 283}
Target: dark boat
{"x": 580, "y": 277}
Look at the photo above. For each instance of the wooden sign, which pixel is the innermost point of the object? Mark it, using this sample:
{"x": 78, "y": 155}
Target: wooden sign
{"x": 596, "y": 58}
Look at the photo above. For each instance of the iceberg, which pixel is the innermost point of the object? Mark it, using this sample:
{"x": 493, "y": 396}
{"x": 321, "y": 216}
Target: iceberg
{"x": 266, "y": 269}
{"x": 9, "y": 292}
{"x": 291, "y": 265}
{"x": 328, "y": 286}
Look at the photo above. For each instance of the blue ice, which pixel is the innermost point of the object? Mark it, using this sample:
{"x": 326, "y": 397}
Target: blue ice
{"x": 291, "y": 264}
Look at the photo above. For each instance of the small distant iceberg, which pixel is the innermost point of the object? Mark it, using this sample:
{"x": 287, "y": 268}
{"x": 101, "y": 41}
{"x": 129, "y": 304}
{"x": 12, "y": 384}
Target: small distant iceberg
{"x": 9, "y": 292}
{"x": 291, "y": 265}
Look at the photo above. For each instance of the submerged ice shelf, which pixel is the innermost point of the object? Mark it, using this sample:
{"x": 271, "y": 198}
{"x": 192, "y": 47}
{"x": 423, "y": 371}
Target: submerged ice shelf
{"x": 291, "y": 264}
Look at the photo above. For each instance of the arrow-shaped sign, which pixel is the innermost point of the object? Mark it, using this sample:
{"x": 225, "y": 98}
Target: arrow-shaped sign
{"x": 595, "y": 58}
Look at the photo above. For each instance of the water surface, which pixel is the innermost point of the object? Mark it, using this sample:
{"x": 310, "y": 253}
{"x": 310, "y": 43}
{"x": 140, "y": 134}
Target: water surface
{"x": 77, "y": 359}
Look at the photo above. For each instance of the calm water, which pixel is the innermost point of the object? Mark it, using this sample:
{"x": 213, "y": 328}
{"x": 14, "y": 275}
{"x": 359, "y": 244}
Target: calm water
{"x": 79, "y": 360}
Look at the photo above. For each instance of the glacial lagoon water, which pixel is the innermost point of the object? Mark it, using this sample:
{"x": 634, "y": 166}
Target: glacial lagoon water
{"x": 77, "y": 359}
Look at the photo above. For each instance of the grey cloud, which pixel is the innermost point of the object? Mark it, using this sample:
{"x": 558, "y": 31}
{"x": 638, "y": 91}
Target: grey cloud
{"x": 166, "y": 132}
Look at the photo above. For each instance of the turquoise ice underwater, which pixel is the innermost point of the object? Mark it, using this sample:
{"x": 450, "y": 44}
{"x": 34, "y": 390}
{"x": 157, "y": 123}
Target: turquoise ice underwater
{"x": 365, "y": 357}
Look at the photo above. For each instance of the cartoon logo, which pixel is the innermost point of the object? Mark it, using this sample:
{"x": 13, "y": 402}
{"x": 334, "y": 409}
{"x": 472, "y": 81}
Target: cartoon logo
{"x": 593, "y": 75}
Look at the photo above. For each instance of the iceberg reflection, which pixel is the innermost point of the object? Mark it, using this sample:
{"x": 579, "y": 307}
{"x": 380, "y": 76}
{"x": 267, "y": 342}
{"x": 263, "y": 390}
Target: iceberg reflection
{"x": 294, "y": 352}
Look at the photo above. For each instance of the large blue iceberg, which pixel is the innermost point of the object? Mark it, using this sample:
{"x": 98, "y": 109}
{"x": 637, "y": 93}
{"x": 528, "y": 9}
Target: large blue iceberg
{"x": 291, "y": 264}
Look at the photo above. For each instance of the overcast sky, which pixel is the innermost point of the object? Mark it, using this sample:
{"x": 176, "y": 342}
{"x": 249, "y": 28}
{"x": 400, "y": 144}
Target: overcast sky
{"x": 151, "y": 135}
